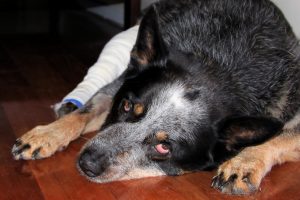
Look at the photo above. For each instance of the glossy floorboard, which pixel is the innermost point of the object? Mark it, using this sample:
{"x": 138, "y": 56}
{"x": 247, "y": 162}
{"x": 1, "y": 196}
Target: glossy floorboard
{"x": 37, "y": 72}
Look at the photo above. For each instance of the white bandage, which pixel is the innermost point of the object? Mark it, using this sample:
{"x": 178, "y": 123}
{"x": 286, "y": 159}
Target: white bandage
{"x": 111, "y": 63}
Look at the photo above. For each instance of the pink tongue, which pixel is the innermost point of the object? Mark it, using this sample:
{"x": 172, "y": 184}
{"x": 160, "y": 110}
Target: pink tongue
{"x": 161, "y": 149}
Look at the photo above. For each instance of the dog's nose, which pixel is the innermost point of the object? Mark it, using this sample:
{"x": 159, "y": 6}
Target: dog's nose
{"x": 92, "y": 163}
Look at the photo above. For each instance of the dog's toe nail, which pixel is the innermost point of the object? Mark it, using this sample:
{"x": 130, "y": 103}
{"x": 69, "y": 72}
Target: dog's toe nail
{"x": 232, "y": 178}
{"x": 222, "y": 184}
{"x": 18, "y": 142}
{"x": 17, "y": 150}
{"x": 221, "y": 181}
{"x": 20, "y": 157}
{"x": 218, "y": 181}
{"x": 214, "y": 181}
{"x": 251, "y": 187}
{"x": 35, "y": 153}
{"x": 246, "y": 178}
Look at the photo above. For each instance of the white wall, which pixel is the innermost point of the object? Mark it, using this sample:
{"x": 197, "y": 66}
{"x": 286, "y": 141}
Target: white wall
{"x": 115, "y": 12}
{"x": 146, "y": 3}
{"x": 291, "y": 10}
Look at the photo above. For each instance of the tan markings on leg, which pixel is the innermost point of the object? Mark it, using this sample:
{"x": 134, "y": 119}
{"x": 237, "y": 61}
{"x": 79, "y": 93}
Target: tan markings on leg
{"x": 96, "y": 123}
{"x": 161, "y": 136}
{"x": 43, "y": 141}
{"x": 286, "y": 147}
{"x": 243, "y": 173}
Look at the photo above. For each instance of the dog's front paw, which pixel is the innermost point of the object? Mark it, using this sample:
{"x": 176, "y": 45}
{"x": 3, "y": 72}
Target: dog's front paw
{"x": 40, "y": 142}
{"x": 240, "y": 176}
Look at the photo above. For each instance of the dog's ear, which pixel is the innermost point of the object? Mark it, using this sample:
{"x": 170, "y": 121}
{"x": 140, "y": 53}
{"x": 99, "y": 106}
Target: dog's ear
{"x": 238, "y": 132}
{"x": 150, "y": 47}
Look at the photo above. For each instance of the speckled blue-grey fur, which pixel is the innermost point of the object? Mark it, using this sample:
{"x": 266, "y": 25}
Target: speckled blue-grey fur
{"x": 204, "y": 71}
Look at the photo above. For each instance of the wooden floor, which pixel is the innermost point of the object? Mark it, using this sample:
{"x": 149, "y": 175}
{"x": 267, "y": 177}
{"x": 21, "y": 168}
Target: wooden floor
{"x": 36, "y": 72}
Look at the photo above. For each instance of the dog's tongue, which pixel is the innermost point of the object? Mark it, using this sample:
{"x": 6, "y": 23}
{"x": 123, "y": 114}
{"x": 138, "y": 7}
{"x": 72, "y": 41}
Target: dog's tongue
{"x": 161, "y": 149}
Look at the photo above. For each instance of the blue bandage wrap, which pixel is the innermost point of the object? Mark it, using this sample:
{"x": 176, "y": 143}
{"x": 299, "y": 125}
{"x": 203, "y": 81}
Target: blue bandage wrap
{"x": 75, "y": 102}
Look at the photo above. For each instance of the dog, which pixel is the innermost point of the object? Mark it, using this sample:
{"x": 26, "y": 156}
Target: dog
{"x": 210, "y": 84}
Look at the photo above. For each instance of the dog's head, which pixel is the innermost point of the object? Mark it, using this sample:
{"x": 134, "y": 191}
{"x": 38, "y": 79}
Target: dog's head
{"x": 162, "y": 122}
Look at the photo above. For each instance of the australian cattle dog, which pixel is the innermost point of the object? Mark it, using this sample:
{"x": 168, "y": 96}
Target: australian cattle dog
{"x": 210, "y": 84}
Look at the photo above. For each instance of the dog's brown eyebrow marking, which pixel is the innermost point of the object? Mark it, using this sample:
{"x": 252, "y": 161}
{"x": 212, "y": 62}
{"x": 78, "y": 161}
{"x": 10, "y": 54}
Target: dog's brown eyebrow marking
{"x": 138, "y": 109}
{"x": 161, "y": 135}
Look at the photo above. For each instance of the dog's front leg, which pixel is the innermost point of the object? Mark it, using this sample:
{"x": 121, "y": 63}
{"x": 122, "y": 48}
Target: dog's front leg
{"x": 43, "y": 141}
{"x": 243, "y": 174}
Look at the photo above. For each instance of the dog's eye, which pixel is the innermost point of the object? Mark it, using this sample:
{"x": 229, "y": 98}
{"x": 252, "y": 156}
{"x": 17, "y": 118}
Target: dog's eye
{"x": 162, "y": 148}
{"x": 160, "y": 152}
{"x": 127, "y": 105}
